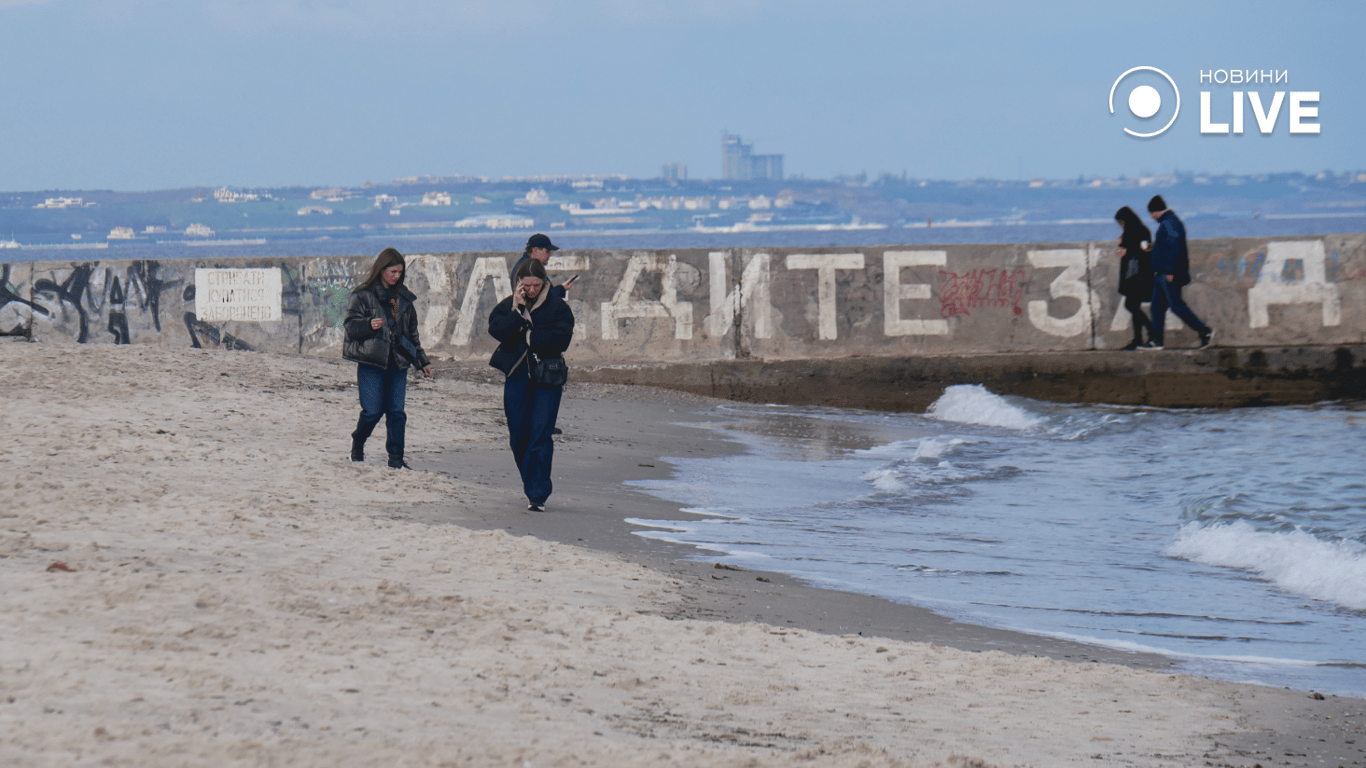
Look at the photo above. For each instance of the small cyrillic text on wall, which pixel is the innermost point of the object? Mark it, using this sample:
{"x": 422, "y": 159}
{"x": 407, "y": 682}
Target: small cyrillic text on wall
{"x": 237, "y": 295}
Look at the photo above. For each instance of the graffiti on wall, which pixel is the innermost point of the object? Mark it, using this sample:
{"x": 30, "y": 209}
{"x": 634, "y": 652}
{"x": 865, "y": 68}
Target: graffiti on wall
{"x": 981, "y": 288}
{"x": 124, "y": 302}
{"x": 88, "y": 291}
{"x": 766, "y": 300}
{"x": 14, "y": 309}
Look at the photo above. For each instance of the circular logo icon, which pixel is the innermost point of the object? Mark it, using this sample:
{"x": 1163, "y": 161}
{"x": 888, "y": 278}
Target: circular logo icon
{"x": 1145, "y": 101}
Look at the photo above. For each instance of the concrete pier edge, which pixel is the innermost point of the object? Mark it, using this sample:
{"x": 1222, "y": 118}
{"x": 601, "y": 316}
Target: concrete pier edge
{"x": 1208, "y": 378}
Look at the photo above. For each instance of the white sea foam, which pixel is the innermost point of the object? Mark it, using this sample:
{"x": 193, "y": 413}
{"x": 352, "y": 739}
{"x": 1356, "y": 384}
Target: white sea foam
{"x": 663, "y": 525}
{"x": 933, "y": 448}
{"x": 973, "y": 404}
{"x": 708, "y": 512}
{"x": 885, "y": 480}
{"x": 1333, "y": 571}
{"x": 1126, "y": 645}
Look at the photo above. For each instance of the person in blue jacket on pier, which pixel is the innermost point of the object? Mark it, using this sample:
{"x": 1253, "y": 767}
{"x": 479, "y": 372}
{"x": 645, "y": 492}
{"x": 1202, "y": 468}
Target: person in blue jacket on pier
{"x": 1171, "y": 271}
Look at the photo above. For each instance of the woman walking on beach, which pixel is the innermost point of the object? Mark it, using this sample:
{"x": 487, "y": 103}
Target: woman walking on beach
{"x": 381, "y": 337}
{"x": 1135, "y": 271}
{"x": 530, "y": 325}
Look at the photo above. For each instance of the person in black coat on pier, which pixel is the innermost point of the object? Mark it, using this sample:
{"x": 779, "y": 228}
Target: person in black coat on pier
{"x": 1135, "y": 271}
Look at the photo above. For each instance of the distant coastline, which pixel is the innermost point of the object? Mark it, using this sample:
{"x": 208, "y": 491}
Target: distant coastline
{"x": 466, "y": 213}
{"x": 947, "y": 233}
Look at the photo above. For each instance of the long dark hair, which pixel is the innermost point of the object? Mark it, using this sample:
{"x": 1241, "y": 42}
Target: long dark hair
{"x": 386, "y": 258}
{"x": 1134, "y": 228}
{"x": 531, "y": 268}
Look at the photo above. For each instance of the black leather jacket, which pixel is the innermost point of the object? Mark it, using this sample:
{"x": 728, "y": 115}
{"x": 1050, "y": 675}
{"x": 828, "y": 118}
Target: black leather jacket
{"x": 372, "y": 347}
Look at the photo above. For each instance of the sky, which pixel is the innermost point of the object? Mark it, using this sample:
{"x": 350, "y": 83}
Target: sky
{"x": 157, "y": 94}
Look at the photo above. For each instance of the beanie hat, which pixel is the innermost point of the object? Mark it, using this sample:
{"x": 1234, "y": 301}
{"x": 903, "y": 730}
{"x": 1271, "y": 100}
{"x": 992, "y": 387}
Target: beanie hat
{"x": 1157, "y": 204}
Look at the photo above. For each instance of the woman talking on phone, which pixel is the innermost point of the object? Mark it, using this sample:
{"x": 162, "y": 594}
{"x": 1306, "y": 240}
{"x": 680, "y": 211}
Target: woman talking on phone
{"x": 381, "y": 337}
{"x": 533, "y": 328}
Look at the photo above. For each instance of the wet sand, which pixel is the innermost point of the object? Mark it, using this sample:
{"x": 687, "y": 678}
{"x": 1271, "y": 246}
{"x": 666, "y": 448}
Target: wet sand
{"x": 234, "y": 591}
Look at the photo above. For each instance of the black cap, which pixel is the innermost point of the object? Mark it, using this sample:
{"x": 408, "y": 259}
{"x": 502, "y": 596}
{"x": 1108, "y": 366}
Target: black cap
{"x": 539, "y": 240}
{"x": 1157, "y": 204}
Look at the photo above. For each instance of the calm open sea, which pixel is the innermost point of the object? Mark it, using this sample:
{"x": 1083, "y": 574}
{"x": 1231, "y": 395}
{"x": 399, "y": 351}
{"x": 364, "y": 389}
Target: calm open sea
{"x": 1232, "y": 540}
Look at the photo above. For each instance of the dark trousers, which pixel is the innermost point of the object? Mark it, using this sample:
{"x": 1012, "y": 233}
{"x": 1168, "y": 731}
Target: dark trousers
{"x": 382, "y": 392}
{"x": 531, "y": 411}
{"x": 1135, "y": 306}
{"x": 1166, "y": 293}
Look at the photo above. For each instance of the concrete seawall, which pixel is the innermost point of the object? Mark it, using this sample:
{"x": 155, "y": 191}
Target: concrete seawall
{"x": 1212, "y": 378}
{"x": 756, "y": 315}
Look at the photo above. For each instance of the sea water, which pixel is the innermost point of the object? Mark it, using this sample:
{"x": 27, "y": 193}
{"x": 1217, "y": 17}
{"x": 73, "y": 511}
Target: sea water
{"x": 1231, "y": 540}
{"x": 58, "y": 246}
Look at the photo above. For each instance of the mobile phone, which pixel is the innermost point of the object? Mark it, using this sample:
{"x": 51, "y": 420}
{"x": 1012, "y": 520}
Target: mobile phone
{"x": 570, "y": 281}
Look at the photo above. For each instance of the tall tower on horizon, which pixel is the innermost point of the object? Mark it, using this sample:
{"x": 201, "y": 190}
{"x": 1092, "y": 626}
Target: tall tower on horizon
{"x": 739, "y": 162}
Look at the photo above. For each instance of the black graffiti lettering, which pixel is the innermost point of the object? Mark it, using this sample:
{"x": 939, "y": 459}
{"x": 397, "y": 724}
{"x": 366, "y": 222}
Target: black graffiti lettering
{"x": 212, "y": 335}
{"x": 70, "y": 291}
{"x": 118, "y": 320}
{"x": 8, "y": 296}
{"x": 144, "y": 274}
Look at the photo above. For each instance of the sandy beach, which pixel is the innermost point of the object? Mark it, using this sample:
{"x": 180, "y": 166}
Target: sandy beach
{"x": 192, "y": 572}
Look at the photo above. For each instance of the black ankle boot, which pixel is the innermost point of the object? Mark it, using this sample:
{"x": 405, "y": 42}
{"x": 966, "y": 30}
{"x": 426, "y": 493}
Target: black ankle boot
{"x": 357, "y": 451}
{"x": 396, "y": 461}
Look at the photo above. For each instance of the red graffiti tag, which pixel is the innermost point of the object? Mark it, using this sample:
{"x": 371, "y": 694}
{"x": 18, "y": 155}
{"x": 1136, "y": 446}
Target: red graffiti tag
{"x": 981, "y": 288}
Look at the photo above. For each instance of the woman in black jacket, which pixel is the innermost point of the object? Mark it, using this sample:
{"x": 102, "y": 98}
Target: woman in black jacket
{"x": 381, "y": 337}
{"x": 531, "y": 322}
{"x": 1135, "y": 270}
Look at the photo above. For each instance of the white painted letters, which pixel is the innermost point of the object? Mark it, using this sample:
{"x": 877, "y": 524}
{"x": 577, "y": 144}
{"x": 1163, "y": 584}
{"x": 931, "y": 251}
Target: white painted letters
{"x": 1272, "y": 288}
{"x": 1071, "y": 283}
{"x": 752, "y": 293}
{"x": 487, "y": 268}
{"x": 668, "y": 305}
{"x": 894, "y": 292}
{"x": 825, "y": 265}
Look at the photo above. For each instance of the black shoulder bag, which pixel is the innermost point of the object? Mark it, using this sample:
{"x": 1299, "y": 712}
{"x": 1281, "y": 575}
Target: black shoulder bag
{"x": 545, "y": 371}
{"x": 549, "y": 371}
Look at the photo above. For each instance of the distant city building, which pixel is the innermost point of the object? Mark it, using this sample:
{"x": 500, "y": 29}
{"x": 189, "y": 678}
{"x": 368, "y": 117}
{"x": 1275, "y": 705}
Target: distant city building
{"x": 308, "y": 210}
{"x": 436, "y": 198}
{"x": 386, "y": 202}
{"x": 334, "y": 194}
{"x": 674, "y": 172}
{"x": 226, "y": 195}
{"x": 121, "y": 233}
{"x": 534, "y": 197}
{"x": 739, "y": 162}
{"x": 64, "y": 202}
{"x": 199, "y": 230}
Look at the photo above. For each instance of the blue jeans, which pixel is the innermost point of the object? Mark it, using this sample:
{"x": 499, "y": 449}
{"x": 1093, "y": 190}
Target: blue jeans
{"x": 531, "y": 411}
{"x": 382, "y": 392}
{"x": 1166, "y": 293}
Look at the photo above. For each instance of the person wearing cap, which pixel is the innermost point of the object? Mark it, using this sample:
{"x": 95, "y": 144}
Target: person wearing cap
{"x": 1171, "y": 271}
{"x": 539, "y": 247}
